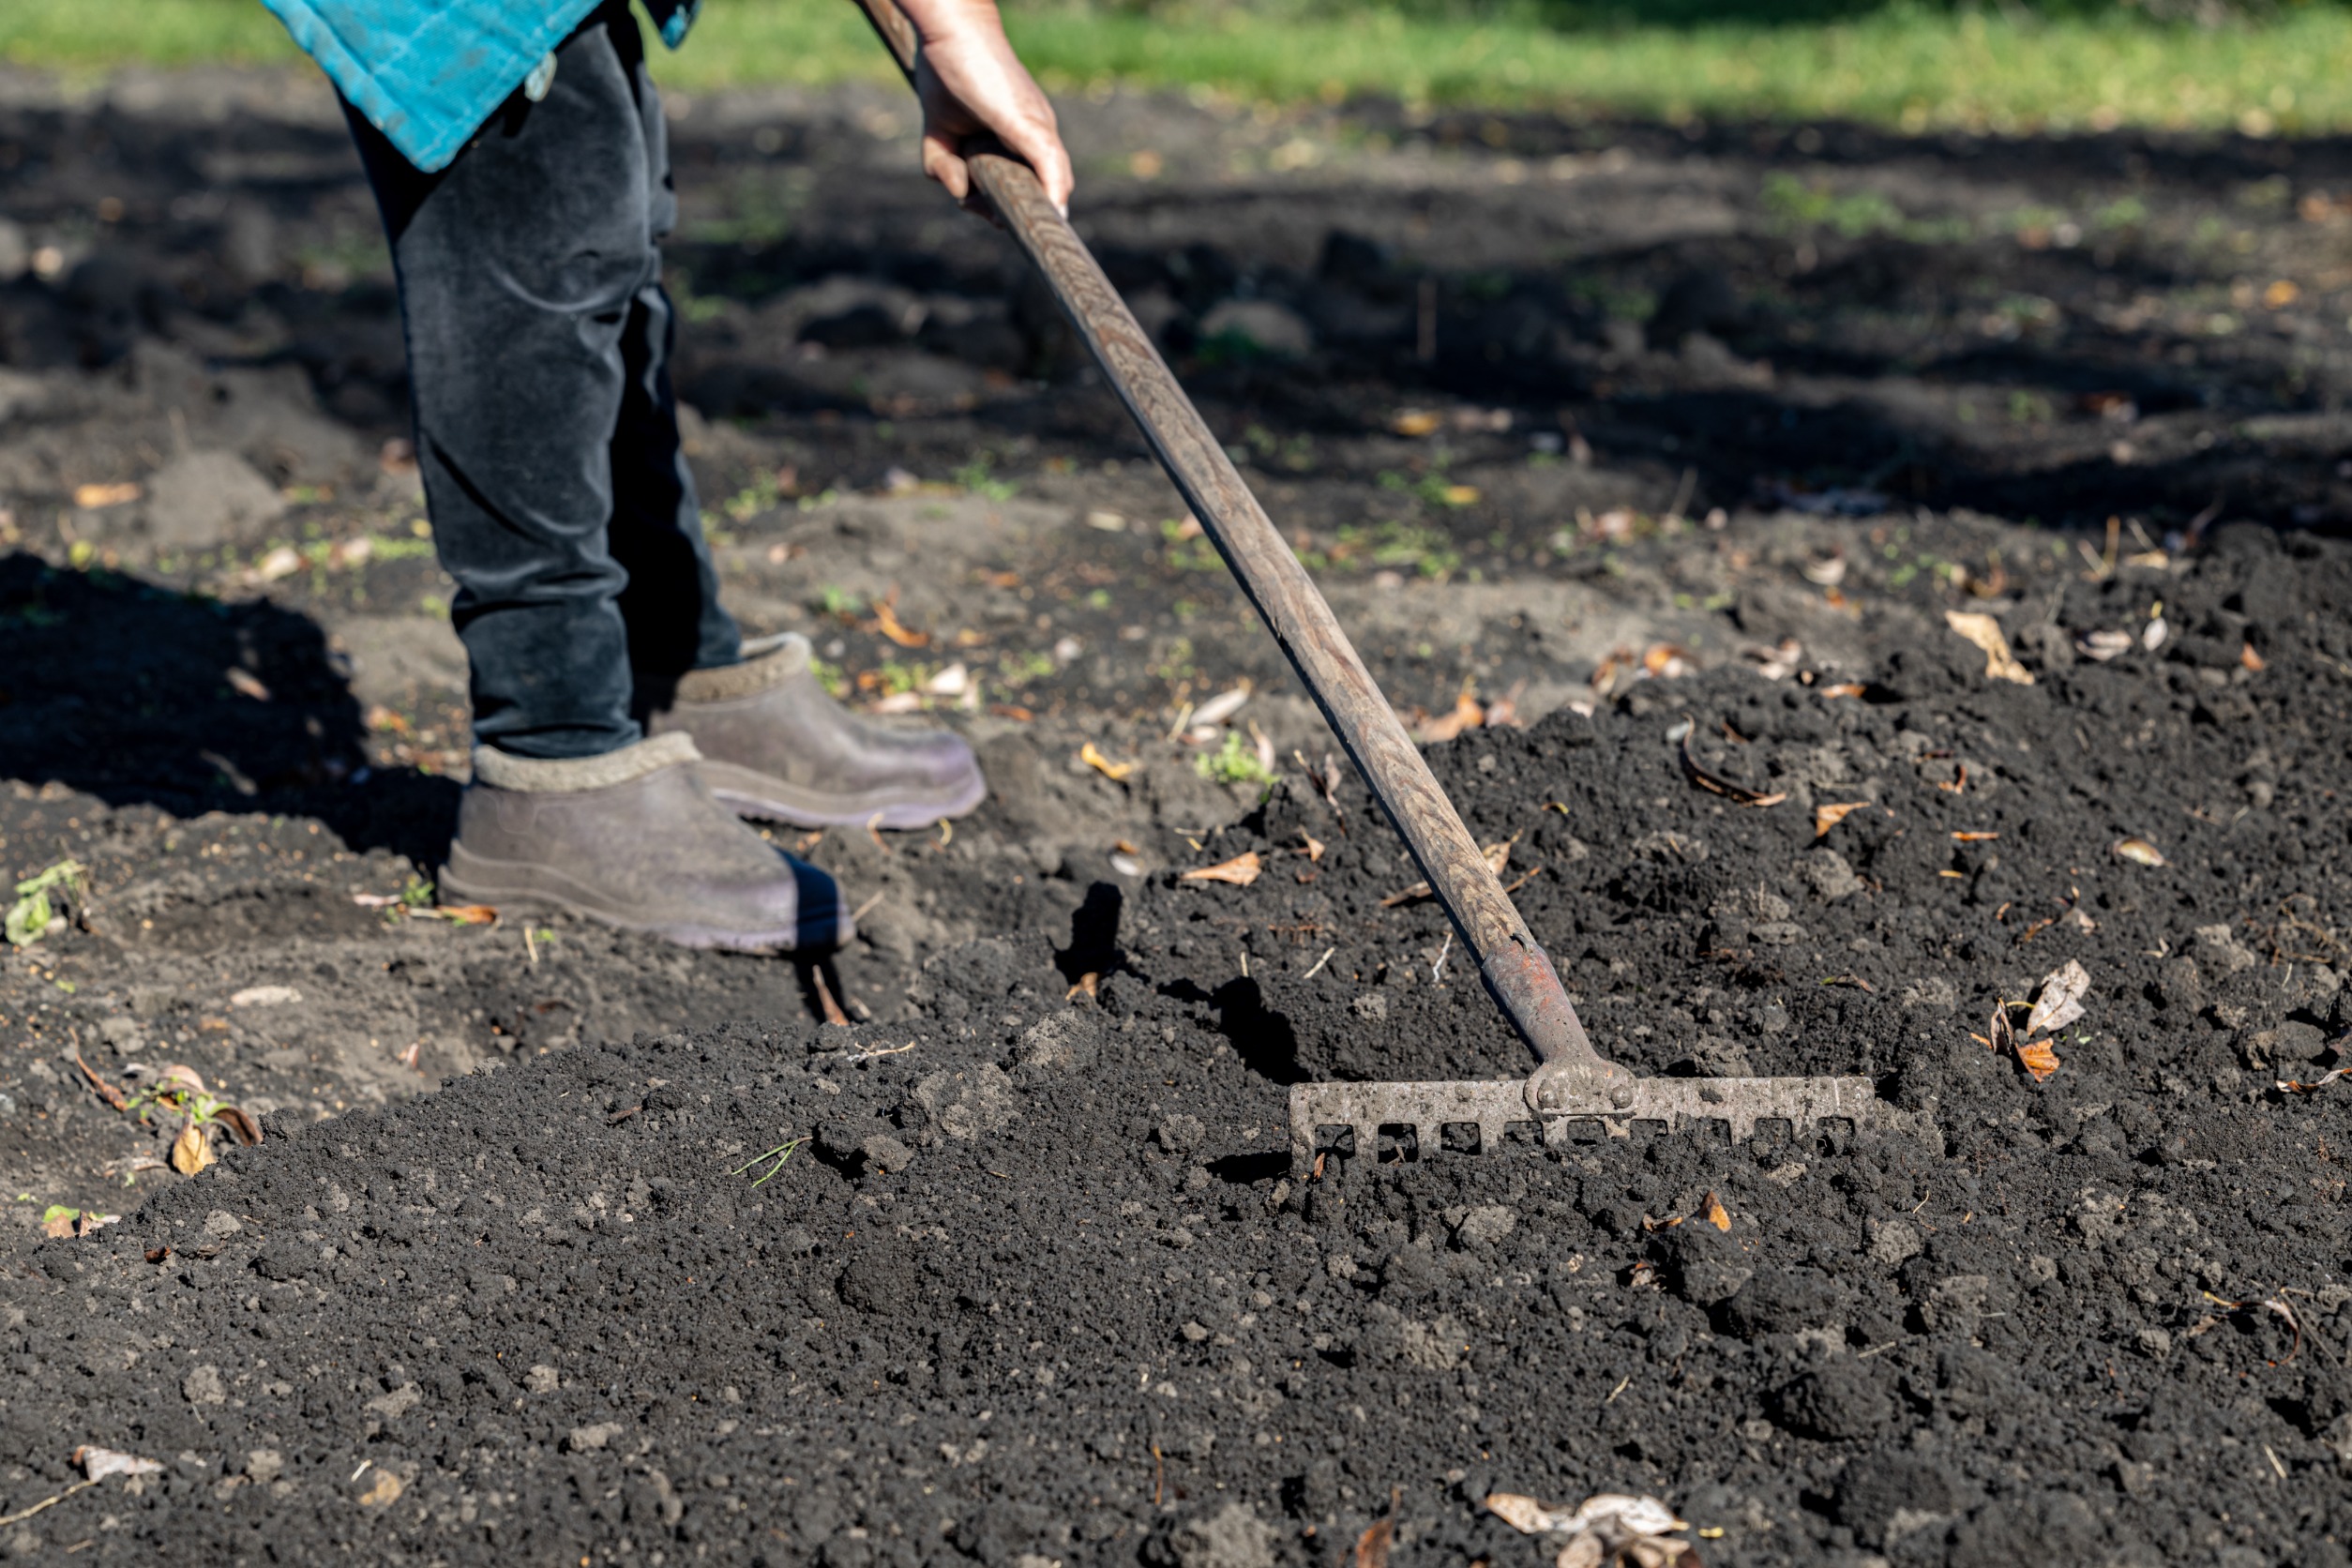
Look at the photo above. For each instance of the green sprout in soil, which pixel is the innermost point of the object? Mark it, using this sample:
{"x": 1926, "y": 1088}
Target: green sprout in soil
{"x": 418, "y": 894}
{"x": 897, "y": 677}
{"x": 977, "y": 477}
{"x": 1235, "y": 762}
{"x": 781, "y": 1153}
{"x": 31, "y": 916}
{"x": 1188, "y": 549}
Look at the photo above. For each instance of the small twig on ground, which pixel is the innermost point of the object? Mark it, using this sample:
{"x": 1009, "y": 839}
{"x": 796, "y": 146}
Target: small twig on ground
{"x": 1320, "y": 964}
{"x": 107, "y": 1092}
{"x": 46, "y": 1502}
{"x": 824, "y": 999}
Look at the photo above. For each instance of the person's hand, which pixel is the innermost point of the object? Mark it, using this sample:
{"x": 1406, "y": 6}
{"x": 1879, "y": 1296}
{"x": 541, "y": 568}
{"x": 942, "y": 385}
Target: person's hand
{"x": 972, "y": 84}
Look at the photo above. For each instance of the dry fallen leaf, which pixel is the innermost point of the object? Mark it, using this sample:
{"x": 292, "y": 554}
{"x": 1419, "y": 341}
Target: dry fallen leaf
{"x": 465, "y": 914}
{"x": 2061, "y": 999}
{"x": 2038, "y": 1059}
{"x": 385, "y": 1491}
{"x": 1522, "y": 1514}
{"x": 1372, "y": 1546}
{"x": 1416, "y": 422}
{"x": 1094, "y": 759}
{"x": 1828, "y": 816}
{"x": 99, "y": 1463}
{"x": 1667, "y": 662}
{"x": 246, "y": 682}
{"x": 1085, "y": 985}
{"x": 1465, "y": 714}
{"x": 93, "y": 497}
{"x": 2101, "y": 646}
{"x": 1217, "y": 709}
{"x": 1843, "y": 688}
{"x": 886, "y": 622}
{"x": 1985, "y": 632}
{"x": 191, "y": 1152}
{"x": 2140, "y": 851}
{"x": 1241, "y": 871}
{"x": 2249, "y": 659}
{"x": 241, "y": 1124}
{"x": 180, "y": 1076}
{"x": 1314, "y": 845}
{"x": 1717, "y": 1216}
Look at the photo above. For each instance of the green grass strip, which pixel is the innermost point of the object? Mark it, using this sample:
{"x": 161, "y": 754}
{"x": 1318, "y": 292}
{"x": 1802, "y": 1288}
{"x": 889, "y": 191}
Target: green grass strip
{"x": 1916, "y": 69}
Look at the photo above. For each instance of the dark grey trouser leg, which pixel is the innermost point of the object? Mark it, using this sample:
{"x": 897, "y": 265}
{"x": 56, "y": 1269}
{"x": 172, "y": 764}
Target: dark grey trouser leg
{"x": 539, "y": 339}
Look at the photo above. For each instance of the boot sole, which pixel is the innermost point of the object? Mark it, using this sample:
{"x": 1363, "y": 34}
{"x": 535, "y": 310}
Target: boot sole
{"x": 750, "y": 794}
{"x": 519, "y": 889}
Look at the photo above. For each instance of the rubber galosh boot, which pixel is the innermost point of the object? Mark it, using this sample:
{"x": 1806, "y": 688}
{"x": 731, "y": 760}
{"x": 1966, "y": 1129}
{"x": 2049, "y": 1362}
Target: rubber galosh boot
{"x": 633, "y": 839}
{"x": 775, "y": 745}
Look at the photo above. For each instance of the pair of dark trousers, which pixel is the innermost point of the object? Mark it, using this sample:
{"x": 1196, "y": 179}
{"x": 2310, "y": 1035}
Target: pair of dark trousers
{"x": 547, "y": 434}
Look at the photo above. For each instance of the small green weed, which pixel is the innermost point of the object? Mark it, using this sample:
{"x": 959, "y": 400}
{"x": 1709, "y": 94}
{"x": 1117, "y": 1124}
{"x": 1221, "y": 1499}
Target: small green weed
{"x": 781, "y": 1153}
{"x": 978, "y": 477}
{"x": 1235, "y": 762}
{"x": 1019, "y": 670}
{"x": 1188, "y": 548}
{"x": 1852, "y": 215}
{"x": 33, "y": 916}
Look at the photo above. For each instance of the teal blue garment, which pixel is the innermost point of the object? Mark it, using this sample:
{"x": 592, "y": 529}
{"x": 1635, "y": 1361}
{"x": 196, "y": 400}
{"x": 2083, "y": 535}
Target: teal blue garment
{"x": 428, "y": 72}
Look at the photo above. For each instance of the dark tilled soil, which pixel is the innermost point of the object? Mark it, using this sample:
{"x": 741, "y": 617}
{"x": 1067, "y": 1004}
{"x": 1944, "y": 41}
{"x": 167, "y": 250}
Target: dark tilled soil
{"x": 1034, "y": 1283}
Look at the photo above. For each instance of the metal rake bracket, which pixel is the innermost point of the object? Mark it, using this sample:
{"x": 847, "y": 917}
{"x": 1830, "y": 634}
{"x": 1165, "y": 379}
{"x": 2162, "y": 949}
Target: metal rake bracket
{"x": 1493, "y": 1109}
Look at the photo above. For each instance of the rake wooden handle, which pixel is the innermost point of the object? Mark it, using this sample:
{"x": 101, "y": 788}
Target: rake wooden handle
{"x": 1517, "y": 970}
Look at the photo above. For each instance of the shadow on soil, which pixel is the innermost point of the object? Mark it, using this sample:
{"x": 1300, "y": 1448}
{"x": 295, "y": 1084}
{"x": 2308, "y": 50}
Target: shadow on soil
{"x": 140, "y": 694}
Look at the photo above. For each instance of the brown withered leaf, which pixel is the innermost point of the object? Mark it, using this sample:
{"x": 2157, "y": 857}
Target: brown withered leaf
{"x": 1093, "y": 757}
{"x": 2038, "y": 1059}
{"x": 1830, "y": 814}
{"x": 1465, "y": 714}
{"x": 1372, "y": 1546}
{"x": 1241, "y": 871}
{"x": 1985, "y": 632}
{"x": 1717, "y": 1216}
{"x": 384, "y": 1492}
{"x": 2061, "y": 999}
{"x": 191, "y": 1152}
{"x": 241, "y": 1124}
{"x": 2139, "y": 852}
{"x": 886, "y": 622}
{"x": 1522, "y": 1514}
{"x": 1842, "y": 688}
{"x": 1084, "y": 985}
{"x": 1314, "y": 845}
{"x": 1737, "y": 794}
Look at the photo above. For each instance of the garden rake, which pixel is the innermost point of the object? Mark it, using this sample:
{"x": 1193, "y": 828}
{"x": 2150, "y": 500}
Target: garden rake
{"x": 1573, "y": 1084}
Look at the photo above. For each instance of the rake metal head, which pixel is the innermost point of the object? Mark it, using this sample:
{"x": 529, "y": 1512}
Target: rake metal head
{"x": 1319, "y": 1111}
